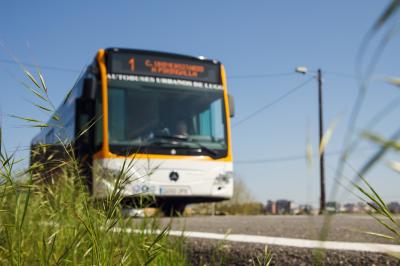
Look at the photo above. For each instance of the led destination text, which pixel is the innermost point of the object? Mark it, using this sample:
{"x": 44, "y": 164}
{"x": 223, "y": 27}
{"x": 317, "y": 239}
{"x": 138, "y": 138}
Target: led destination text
{"x": 168, "y": 81}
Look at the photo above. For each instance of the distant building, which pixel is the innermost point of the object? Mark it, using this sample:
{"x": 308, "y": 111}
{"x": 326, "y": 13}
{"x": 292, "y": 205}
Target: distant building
{"x": 359, "y": 207}
{"x": 305, "y": 209}
{"x": 294, "y": 208}
{"x": 280, "y": 207}
{"x": 270, "y": 207}
{"x": 332, "y": 207}
{"x": 394, "y": 207}
{"x": 350, "y": 208}
{"x": 362, "y": 207}
{"x": 283, "y": 206}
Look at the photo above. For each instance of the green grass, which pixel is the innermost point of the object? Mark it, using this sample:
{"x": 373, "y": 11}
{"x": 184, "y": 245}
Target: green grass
{"x": 56, "y": 222}
{"x": 52, "y": 224}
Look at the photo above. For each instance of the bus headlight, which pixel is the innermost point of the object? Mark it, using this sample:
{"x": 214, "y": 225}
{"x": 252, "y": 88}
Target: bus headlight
{"x": 223, "y": 179}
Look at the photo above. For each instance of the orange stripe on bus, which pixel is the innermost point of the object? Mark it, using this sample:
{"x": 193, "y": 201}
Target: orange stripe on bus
{"x": 227, "y": 114}
{"x": 104, "y": 95}
{"x": 102, "y": 155}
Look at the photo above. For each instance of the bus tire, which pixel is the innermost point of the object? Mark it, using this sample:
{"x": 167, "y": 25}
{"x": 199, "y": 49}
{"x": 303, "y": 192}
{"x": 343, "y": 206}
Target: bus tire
{"x": 173, "y": 209}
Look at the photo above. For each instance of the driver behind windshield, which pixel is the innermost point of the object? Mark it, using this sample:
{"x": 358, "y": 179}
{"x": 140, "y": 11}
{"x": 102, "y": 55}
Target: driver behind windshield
{"x": 181, "y": 128}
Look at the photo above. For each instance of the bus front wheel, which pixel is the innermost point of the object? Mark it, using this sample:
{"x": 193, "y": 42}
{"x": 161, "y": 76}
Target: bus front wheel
{"x": 173, "y": 209}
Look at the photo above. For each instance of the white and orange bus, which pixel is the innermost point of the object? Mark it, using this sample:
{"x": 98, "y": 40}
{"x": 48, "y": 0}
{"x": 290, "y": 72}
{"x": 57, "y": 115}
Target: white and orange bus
{"x": 169, "y": 112}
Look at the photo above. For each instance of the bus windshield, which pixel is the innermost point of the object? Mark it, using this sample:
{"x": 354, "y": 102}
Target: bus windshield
{"x": 166, "y": 119}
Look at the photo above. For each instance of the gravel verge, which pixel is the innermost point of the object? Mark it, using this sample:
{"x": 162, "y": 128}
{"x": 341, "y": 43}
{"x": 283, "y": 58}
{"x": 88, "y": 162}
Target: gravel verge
{"x": 208, "y": 252}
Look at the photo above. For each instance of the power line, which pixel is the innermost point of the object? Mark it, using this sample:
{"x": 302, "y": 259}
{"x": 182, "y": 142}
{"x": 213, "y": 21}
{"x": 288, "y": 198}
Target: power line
{"x": 282, "y": 74}
{"x": 272, "y": 160}
{"x": 341, "y": 74}
{"x": 289, "y": 158}
{"x": 270, "y": 75}
{"x": 249, "y": 76}
{"x": 5, "y": 61}
{"x": 272, "y": 103}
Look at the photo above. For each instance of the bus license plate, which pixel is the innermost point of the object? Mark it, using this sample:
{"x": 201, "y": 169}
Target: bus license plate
{"x": 174, "y": 191}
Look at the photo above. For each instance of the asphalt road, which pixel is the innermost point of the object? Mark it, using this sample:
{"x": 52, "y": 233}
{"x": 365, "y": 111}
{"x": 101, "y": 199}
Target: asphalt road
{"x": 344, "y": 228}
{"x": 203, "y": 252}
{"x": 351, "y": 228}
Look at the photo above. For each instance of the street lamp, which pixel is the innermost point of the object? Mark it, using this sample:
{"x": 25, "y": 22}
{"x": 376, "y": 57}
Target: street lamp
{"x": 303, "y": 70}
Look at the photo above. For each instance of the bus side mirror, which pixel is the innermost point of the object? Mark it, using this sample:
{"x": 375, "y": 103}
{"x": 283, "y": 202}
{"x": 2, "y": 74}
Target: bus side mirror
{"x": 231, "y": 106}
{"x": 89, "y": 88}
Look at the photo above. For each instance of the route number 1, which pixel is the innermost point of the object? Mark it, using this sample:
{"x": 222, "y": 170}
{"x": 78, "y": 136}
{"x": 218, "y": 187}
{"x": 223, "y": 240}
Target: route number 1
{"x": 132, "y": 64}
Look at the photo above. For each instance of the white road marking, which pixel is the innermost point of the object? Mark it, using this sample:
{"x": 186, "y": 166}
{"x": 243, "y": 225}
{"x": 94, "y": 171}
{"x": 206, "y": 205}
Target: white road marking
{"x": 270, "y": 240}
{"x": 281, "y": 241}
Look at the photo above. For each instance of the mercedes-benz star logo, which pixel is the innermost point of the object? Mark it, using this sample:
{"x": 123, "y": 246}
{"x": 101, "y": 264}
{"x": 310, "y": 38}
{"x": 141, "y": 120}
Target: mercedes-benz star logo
{"x": 174, "y": 176}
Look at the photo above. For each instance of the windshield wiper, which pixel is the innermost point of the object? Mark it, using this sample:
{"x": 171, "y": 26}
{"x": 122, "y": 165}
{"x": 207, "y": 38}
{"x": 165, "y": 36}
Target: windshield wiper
{"x": 172, "y": 137}
{"x": 210, "y": 152}
{"x": 158, "y": 140}
{"x": 182, "y": 139}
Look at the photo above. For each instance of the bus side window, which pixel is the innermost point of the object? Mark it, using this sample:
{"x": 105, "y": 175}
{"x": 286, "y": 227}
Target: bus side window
{"x": 205, "y": 123}
{"x": 116, "y": 98}
{"x": 98, "y": 126}
{"x": 210, "y": 121}
{"x": 218, "y": 120}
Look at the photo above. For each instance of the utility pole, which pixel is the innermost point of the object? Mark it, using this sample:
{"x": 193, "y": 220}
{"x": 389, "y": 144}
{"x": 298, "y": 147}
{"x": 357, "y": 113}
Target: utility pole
{"x": 322, "y": 152}
{"x": 303, "y": 70}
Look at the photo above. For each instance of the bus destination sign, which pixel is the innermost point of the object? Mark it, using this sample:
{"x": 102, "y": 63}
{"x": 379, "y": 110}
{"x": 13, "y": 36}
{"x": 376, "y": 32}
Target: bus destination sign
{"x": 164, "y": 66}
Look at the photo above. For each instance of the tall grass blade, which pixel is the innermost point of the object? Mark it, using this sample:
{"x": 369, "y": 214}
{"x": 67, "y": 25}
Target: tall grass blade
{"x": 27, "y": 119}
{"x": 378, "y": 155}
{"x": 36, "y": 93}
{"x": 394, "y": 166}
{"x": 387, "y": 14}
{"x": 30, "y": 76}
{"x": 42, "y": 82}
{"x": 43, "y": 108}
{"x": 326, "y": 137}
{"x": 381, "y": 235}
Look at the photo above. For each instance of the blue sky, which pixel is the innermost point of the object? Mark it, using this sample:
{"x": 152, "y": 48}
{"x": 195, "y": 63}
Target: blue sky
{"x": 250, "y": 38}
